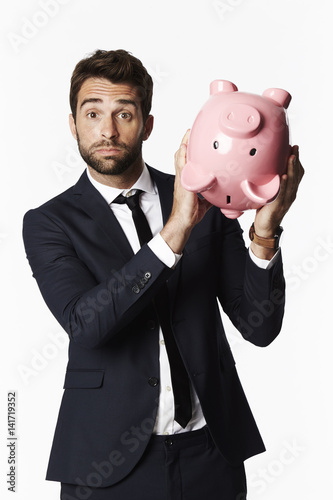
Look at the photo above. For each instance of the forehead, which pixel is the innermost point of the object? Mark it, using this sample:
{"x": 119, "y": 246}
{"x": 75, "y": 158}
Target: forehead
{"x": 106, "y": 90}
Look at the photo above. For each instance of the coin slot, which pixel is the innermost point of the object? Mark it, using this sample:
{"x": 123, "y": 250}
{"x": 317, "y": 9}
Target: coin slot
{"x": 228, "y": 199}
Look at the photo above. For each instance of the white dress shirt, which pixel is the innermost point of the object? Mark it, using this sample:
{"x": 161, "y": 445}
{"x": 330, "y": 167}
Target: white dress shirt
{"x": 150, "y": 204}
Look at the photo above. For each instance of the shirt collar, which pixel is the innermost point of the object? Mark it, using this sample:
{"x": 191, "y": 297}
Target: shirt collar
{"x": 144, "y": 182}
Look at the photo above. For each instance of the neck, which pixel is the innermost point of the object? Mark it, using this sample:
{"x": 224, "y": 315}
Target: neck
{"x": 122, "y": 181}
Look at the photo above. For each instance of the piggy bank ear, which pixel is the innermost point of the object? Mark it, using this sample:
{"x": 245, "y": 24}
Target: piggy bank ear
{"x": 279, "y": 96}
{"x": 192, "y": 179}
{"x": 222, "y": 86}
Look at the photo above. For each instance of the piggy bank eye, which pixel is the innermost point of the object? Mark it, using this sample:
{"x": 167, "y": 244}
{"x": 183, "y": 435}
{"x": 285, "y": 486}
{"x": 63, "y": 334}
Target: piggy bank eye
{"x": 216, "y": 144}
{"x": 253, "y": 151}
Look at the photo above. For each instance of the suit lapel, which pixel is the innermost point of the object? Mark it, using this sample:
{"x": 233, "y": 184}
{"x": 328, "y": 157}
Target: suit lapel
{"x": 164, "y": 183}
{"x": 93, "y": 203}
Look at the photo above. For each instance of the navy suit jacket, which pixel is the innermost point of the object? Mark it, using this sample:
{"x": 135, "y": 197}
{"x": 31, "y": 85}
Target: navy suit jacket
{"x": 101, "y": 294}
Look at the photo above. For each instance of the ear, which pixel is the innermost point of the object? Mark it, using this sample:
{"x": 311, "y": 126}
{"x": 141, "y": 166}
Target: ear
{"x": 279, "y": 96}
{"x": 218, "y": 86}
{"x": 148, "y": 127}
{"x": 72, "y": 126}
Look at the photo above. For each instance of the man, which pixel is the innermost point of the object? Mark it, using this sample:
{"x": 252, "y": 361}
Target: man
{"x": 153, "y": 408}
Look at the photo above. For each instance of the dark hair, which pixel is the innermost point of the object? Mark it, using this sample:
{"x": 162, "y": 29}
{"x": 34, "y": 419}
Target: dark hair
{"x": 117, "y": 66}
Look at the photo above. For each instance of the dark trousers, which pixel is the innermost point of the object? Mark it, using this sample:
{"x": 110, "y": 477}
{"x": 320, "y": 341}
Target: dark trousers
{"x": 179, "y": 467}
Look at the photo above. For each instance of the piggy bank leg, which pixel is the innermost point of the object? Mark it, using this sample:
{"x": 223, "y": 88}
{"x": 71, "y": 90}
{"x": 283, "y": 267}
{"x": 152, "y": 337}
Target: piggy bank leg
{"x": 193, "y": 179}
{"x": 261, "y": 194}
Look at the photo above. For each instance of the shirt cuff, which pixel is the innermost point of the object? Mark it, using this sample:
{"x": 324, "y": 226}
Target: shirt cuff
{"x": 262, "y": 263}
{"x": 162, "y": 250}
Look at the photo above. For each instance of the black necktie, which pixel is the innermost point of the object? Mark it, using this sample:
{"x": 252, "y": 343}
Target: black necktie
{"x": 179, "y": 377}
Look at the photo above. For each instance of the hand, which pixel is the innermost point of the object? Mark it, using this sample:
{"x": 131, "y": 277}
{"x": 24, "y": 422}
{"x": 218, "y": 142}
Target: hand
{"x": 269, "y": 217}
{"x": 187, "y": 206}
{"x": 187, "y": 209}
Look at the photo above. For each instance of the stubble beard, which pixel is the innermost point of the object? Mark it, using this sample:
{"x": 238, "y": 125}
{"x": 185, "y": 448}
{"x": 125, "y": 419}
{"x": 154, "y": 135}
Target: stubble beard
{"x": 111, "y": 165}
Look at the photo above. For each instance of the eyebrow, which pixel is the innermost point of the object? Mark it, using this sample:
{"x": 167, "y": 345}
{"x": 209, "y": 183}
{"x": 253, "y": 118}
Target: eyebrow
{"x": 127, "y": 101}
{"x": 90, "y": 99}
{"x": 98, "y": 100}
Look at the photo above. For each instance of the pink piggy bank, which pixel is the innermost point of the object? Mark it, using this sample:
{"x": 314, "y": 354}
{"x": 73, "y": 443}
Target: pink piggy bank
{"x": 238, "y": 148}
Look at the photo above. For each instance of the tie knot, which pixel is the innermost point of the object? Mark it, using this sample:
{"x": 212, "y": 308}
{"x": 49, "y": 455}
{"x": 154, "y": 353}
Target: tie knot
{"x": 131, "y": 201}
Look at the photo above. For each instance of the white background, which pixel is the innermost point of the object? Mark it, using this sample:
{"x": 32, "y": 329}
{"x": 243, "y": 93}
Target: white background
{"x": 185, "y": 44}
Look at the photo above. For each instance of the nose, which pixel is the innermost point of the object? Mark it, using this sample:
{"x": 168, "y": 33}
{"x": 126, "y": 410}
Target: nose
{"x": 240, "y": 120}
{"x": 108, "y": 128}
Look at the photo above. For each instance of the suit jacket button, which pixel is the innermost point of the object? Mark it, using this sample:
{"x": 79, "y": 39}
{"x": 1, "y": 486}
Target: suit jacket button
{"x": 136, "y": 289}
{"x": 153, "y": 381}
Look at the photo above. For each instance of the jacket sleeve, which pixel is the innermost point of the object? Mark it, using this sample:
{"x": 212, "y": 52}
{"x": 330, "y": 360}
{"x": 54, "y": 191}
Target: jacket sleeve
{"x": 91, "y": 312}
{"x": 252, "y": 297}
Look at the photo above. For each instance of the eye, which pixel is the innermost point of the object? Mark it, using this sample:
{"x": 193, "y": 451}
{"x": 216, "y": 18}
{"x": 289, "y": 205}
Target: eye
{"x": 92, "y": 114}
{"x": 125, "y": 115}
{"x": 215, "y": 144}
{"x": 253, "y": 151}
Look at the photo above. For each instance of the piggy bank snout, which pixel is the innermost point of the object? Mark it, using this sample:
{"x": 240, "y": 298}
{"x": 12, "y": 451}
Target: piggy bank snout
{"x": 240, "y": 120}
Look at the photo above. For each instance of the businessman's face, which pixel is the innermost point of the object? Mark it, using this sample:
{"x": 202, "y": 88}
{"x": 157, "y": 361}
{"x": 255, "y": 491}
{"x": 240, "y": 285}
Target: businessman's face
{"x": 109, "y": 127}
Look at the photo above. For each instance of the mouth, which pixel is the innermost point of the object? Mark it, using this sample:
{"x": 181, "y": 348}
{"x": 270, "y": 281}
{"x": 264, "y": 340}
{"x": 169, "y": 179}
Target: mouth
{"x": 107, "y": 151}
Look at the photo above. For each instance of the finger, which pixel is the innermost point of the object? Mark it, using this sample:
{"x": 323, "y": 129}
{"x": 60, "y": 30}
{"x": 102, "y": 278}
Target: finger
{"x": 298, "y": 170}
{"x": 180, "y": 156}
{"x": 186, "y": 136}
{"x": 283, "y": 189}
{"x": 295, "y": 150}
{"x": 291, "y": 174}
{"x": 293, "y": 178}
{"x": 298, "y": 166}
